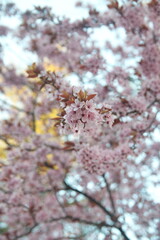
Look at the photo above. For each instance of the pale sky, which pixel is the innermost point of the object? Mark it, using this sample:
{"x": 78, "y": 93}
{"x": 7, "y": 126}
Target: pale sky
{"x": 61, "y": 7}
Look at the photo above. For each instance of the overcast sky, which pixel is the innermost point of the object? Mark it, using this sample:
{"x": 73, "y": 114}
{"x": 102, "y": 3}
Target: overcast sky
{"x": 61, "y": 7}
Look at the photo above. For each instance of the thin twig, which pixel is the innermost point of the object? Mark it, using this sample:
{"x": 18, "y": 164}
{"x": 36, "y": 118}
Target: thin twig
{"x": 91, "y": 199}
{"x": 110, "y": 193}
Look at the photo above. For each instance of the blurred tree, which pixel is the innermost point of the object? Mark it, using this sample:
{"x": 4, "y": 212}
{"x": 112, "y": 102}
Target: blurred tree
{"x": 78, "y": 162}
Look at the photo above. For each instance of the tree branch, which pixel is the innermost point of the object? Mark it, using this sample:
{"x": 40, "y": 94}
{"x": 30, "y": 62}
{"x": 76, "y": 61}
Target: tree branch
{"x": 112, "y": 216}
{"x": 91, "y": 199}
{"x": 110, "y": 194}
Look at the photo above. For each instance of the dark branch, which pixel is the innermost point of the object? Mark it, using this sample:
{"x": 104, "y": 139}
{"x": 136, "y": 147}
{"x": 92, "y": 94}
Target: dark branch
{"x": 112, "y": 216}
{"x": 110, "y": 194}
{"x": 91, "y": 199}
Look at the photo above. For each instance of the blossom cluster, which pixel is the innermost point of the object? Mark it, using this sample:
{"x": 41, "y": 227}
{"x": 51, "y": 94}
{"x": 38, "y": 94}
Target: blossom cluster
{"x": 81, "y": 114}
{"x": 96, "y": 159}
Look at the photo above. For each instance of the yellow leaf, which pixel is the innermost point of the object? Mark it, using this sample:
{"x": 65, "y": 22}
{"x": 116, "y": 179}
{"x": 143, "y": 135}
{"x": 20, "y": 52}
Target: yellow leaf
{"x": 53, "y": 67}
{"x": 43, "y": 123}
{"x": 3, "y": 147}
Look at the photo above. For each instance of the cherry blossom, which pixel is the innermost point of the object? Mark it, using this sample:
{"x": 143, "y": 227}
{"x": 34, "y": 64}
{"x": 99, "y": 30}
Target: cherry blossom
{"x": 79, "y": 133}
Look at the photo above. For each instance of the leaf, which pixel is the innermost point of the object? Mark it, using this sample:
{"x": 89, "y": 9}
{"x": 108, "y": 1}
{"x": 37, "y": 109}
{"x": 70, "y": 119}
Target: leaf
{"x": 72, "y": 100}
{"x": 83, "y": 67}
{"x": 116, "y": 121}
{"x": 105, "y": 111}
{"x": 33, "y": 71}
{"x": 89, "y": 97}
{"x": 113, "y": 4}
{"x": 65, "y": 95}
{"x": 123, "y": 100}
{"x": 93, "y": 12}
{"x": 57, "y": 124}
{"x": 69, "y": 148}
{"x": 82, "y": 95}
{"x": 152, "y": 3}
{"x": 69, "y": 145}
{"x": 56, "y": 118}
